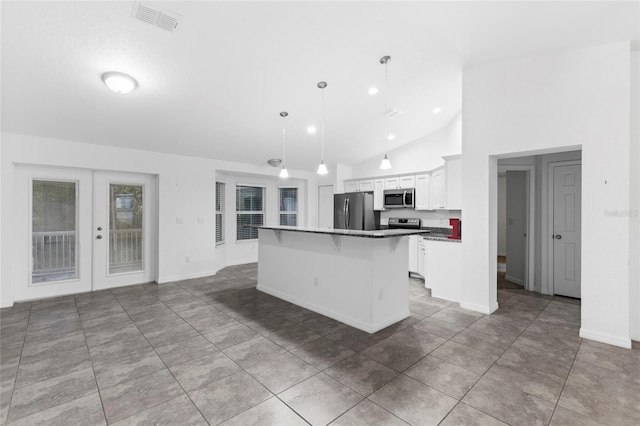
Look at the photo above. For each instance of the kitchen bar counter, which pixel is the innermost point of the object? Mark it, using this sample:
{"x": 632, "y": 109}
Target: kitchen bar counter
{"x": 356, "y": 277}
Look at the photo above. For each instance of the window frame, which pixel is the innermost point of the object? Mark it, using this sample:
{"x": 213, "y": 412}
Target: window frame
{"x": 221, "y": 196}
{"x": 262, "y": 212}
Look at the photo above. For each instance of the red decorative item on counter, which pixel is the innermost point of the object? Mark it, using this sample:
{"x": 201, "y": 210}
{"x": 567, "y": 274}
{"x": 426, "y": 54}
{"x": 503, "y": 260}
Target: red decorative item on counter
{"x": 456, "y": 232}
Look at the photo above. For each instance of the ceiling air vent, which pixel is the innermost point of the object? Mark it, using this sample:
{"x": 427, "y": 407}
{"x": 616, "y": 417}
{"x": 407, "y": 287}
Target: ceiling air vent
{"x": 393, "y": 113}
{"x": 160, "y": 18}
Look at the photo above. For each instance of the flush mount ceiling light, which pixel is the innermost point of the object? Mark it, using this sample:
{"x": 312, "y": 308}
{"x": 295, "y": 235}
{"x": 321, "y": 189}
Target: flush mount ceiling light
{"x": 274, "y": 162}
{"x": 436, "y": 110}
{"x": 386, "y": 163}
{"x": 119, "y": 82}
{"x": 322, "y": 168}
{"x": 373, "y": 91}
{"x": 391, "y": 137}
{"x": 311, "y": 130}
{"x": 284, "y": 173}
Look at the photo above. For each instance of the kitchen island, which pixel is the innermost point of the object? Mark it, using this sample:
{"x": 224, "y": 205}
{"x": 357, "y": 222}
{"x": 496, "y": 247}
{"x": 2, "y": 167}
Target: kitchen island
{"x": 356, "y": 277}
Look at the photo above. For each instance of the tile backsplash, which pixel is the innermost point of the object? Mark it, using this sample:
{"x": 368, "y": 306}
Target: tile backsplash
{"x": 428, "y": 218}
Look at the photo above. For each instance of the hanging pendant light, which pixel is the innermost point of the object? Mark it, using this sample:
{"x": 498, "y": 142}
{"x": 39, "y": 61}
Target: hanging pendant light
{"x": 283, "y": 172}
{"x": 322, "y": 168}
{"x": 386, "y": 163}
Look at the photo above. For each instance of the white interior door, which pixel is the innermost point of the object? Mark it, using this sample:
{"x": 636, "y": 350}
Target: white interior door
{"x": 53, "y": 254}
{"x": 123, "y": 223}
{"x": 325, "y": 206}
{"x": 566, "y": 230}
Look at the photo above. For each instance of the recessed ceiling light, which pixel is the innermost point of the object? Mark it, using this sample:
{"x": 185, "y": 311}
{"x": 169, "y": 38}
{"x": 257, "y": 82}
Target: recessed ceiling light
{"x": 373, "y": 91}
{"x": 311, "y": 130}
{"x": 391, "y": 136}
{"x": 437, "y": 110}
{"x": 119, "y": 82}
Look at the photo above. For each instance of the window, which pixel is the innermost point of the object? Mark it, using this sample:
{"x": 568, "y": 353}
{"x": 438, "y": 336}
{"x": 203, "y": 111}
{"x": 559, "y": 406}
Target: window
{"x": 249, "y": 211}
{"x": 288, "y": 206}
{"x": 219, "y": 213}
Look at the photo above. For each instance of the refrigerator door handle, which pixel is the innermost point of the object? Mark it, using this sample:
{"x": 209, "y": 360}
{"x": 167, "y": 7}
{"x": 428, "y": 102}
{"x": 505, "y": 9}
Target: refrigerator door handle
{"x": 347, "y": 216}
{"x": 344, "y": 212}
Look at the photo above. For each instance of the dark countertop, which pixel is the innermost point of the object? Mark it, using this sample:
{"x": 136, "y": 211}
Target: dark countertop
{"x": 381, "y": 233}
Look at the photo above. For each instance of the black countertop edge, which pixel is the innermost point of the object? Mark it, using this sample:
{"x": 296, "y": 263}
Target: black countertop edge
{"x": 380, "y": 233}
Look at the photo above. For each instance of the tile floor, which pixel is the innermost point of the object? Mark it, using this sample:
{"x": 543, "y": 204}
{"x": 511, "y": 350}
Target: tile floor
{"x": 215, "y": 350}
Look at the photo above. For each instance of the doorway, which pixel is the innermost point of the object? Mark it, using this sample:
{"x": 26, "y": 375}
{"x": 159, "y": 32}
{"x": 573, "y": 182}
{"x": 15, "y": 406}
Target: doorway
{"x": 83, "y": 230}
{"x": 325, "y": 206}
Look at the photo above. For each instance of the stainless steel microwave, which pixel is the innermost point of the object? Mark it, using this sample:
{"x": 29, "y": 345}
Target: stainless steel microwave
{"x": 399, "y": 198}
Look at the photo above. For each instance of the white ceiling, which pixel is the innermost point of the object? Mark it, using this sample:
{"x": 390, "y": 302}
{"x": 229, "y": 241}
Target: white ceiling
{"x": 215, "y": 86}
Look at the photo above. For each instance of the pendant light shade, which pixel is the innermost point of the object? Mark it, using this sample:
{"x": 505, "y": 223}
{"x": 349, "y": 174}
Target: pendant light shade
{"x": 283, "y": 172}
{"x": 322, "y": 168}
{"x": 386, "y": 163}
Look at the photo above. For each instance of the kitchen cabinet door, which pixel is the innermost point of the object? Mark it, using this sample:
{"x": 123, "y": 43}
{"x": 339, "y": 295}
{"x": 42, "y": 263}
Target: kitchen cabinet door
{"x": 443, "y": 269}
{"x": 422, "y": 257}
{"x": 391, "y": 183}
{"x": 378, "y": 194}
{"x": 437, "y": 186}
{"x": 351, "y": 186}
{"x": 413, "y": 253}
{"x": 422, "y": 192}
{"x": 365, "y": 185}
{"x": 407, "y": 182}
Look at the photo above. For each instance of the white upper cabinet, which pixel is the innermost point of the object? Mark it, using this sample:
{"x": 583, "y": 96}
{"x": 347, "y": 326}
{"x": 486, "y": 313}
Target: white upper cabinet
{"x": 392, "y": 183}
{"x": 423, "y": 191}
{"x": 378, "y": 194}
{"x": 365, "y": 185}
{"x": 351, "y": 186}
{"x": 437, "y": 194}
{"x": 407, "y": 181}
{"x": 453, "y": 171}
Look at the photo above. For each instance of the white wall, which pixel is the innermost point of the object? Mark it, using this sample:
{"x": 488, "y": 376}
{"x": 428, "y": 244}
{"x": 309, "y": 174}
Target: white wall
{"x": 502, "y": 215}
{"x": 186, "y": 189}
{"x": 418, "y": 156}
{"x": 549, "y": 103}
{"x": 634, "y": 159}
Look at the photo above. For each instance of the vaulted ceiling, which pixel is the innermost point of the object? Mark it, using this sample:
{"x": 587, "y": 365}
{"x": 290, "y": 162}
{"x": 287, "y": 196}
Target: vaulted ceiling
{"x": 214, "y": 86}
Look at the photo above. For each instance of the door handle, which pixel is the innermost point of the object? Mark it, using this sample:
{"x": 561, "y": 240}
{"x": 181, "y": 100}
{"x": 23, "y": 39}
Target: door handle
{"x": 404, "y": 199}
{"x": 344, "y": 211}
{"x": 557, "y": 237}
{"x": 99, "y": 228}
{"x": 99, "y": 237}
{"x": 348, "y": 215}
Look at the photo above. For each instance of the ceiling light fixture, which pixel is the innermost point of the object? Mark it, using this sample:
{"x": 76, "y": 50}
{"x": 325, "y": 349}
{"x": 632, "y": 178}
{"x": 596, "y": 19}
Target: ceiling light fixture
{"x": 322, "y": 168}
{"x": 373, "y": 91}
{"x": 437, "y": 110}
{"x": 283, "y": 172}
{"x": 119, "y": 82}
{"x": 391, "y": 137}
{"x": 311, "y": 130}
{"x": 386, "y": 163}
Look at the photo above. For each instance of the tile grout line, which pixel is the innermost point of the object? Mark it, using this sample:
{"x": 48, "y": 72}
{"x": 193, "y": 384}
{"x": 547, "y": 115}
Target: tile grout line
{"x": 15, "y": 379}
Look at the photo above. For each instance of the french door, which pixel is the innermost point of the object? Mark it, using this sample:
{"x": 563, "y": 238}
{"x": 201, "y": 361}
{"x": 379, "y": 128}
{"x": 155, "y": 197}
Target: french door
{"x": 83, "y": 230}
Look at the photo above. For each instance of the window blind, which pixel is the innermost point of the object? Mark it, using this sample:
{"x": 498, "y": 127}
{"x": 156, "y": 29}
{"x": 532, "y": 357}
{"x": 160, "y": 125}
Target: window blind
{"x": 249, "y": 211}
{"x": 288, "y": 206}
{"x": 220, "y": 212}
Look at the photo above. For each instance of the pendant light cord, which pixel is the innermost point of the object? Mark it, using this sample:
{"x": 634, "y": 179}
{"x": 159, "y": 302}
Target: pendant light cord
{"x": 322, "y": 127}
{"x": 386, "y": 98}
{"x": 284, "y": 142}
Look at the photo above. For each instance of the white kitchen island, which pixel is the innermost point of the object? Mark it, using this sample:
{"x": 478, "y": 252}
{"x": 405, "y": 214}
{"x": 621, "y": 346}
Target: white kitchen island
{"x": 356, "y": 277}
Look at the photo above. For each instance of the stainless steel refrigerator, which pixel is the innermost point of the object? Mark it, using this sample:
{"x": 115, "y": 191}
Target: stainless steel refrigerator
{"x": 354, "y": 210}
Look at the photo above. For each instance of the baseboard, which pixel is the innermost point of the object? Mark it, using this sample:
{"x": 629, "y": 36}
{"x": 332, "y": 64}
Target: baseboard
{"x": 165, "y": 280}
{"x": 6, "y": 303}
{"x": 514, "y": 280}
{"x": 479, "y": 308}
{"x": 332, "y": 314}
{"x": 502, "y": 254}
{"x": 605, "y": 338}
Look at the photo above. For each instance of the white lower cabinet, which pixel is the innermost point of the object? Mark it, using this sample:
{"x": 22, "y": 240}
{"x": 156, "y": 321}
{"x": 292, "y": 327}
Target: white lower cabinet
{"x": 422, "y": 257}
{"x": 444, "y": 264}
{"x": 413, "y": 253}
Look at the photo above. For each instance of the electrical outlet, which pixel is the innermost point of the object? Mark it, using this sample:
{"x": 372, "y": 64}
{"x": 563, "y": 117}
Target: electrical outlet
{"x": 187, "y": 259}
{"x": 179, "y": 220}
{"x": 200, "y": 219}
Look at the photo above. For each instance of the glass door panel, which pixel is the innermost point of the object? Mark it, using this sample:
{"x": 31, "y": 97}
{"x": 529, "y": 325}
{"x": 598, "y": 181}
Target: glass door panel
{"x": 53, "y": 231}
{"x": 126, "y": 228}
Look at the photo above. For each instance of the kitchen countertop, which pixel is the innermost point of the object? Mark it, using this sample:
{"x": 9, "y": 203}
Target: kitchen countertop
{"x": 380, "y": 233}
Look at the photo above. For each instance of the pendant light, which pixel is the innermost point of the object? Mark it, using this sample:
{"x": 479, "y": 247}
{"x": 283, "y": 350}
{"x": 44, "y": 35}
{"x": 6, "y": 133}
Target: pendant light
{"x": 322, "y": 168}
{"x": 283, "y": 173}
{"x": 386, "y": 163}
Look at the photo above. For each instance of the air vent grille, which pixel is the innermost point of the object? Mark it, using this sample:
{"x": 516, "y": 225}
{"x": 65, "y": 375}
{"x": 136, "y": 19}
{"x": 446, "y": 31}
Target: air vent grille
{"x": 393, "y": 113}
{"x": 160, "y": 18}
